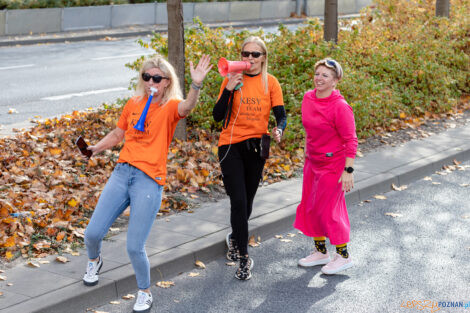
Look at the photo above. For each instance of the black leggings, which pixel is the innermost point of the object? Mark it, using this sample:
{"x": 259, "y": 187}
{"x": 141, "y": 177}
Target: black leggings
{"x": 242, "y": 168}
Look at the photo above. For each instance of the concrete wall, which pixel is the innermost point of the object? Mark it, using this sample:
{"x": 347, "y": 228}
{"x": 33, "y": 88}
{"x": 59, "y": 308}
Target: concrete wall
{"x": 18, "y": 22}
{"x": 2, "y": 22}
{"x": 86, "y": 18}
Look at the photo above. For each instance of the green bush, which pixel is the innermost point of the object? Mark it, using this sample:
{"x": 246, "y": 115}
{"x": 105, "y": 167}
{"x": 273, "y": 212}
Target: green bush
{"x": 400, "y": 63}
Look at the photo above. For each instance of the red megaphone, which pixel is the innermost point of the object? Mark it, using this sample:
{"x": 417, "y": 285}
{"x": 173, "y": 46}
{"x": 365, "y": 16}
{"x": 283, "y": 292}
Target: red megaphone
{"x": 226, "y": 67}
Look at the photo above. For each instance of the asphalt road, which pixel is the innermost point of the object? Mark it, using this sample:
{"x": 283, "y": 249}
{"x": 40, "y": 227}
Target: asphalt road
{"x": 47, "y": 80}
{"x": 421, "y": 253}
{"x": 43, "y": 81}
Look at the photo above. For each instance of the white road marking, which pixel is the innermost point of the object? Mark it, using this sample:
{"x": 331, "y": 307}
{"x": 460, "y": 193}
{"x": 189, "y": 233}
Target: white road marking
{"x": 15, "y": 67}
{"x": 121, "y": 56}
{"x": 81, "y": 94}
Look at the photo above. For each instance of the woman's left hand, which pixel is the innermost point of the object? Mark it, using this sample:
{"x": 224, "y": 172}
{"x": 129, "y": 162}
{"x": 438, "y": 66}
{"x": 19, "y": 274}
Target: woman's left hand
{"x": 203, "y": 67}
{"x": 347, "y": 180}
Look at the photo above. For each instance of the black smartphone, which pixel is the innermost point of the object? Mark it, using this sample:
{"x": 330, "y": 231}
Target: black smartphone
{"x": 265, "y": 143}
{"x": 81, "y": 144}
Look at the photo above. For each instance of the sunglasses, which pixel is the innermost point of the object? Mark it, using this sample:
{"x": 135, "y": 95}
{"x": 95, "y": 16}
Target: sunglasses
{"x": 254, "y": 54}
{"x": 331, "y": 63}
{"x": 156, "y": 78}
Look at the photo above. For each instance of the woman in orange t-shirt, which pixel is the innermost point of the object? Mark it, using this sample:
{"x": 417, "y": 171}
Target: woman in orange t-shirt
{"x": 138, "y": 178}
{"x": 245, "y": 111}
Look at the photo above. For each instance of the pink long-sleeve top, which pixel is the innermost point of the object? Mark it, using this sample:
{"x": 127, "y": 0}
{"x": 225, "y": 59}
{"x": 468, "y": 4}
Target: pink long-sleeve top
{"x": 329, "y": 125}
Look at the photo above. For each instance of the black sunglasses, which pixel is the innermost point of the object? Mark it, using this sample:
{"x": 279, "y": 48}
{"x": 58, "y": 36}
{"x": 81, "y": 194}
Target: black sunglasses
{"x": 255, "y": 54}
{"x": 156, "y": 78}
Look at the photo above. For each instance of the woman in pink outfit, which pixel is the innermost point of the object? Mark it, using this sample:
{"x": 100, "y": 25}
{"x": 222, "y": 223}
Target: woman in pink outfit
{"x": 331, "y": 145}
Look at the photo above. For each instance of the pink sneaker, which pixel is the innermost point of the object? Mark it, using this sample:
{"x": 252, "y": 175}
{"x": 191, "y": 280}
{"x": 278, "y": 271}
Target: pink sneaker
{"x": 316, "y": 258}
{"x": 338, "y": 264}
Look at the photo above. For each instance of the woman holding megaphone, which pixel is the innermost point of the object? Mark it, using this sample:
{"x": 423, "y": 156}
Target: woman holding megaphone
{"x": 246, "y": 98}
{"x": 147, "y": 124}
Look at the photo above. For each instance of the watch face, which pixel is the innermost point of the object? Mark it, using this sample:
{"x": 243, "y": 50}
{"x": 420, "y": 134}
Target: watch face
{"x": 349, "y": 169}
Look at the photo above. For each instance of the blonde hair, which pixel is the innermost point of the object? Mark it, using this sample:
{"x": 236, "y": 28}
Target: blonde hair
{"x": 172, "y": 91}
{"x": 332, "y": 65}
{"x": 264, "y": 68}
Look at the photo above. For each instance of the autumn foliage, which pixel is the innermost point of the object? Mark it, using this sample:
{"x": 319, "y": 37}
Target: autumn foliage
{"x": 49, "y": 190}
{"x": 402, "y": 66}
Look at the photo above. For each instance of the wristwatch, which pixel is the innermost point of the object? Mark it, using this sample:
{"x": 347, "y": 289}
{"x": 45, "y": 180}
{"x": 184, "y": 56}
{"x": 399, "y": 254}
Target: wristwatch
{"x": 349, "y": 169}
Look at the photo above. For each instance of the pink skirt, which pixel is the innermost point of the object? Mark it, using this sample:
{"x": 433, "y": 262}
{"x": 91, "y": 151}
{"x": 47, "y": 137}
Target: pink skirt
{"x": 322, "y": 210}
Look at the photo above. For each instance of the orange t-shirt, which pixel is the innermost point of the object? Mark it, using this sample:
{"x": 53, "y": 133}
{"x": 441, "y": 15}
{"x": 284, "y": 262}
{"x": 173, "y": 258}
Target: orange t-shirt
{"x": 253, "y": 117}
{"x": 148, "y": 150}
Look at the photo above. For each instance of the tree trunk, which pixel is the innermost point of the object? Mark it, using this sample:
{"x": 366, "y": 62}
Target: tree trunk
{"x": 330, "y": 23}
{"x": 442, "y": 8}
{"x": 176, "y": 51}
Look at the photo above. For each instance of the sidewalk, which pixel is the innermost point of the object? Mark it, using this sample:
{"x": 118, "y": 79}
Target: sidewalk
{"x": 131, "y": 31}
{"x": 176, "y": 242}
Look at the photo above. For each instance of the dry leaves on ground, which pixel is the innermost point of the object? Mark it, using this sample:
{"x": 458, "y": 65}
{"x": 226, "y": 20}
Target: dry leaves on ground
{"x": 380, "y": 197}
{"x": 200, "y": 264}
{"x": 401, "y": 188}
{"x": 165, "y": 284}
{"x": 393, "y": 214}
{"x": 48, "y": 190}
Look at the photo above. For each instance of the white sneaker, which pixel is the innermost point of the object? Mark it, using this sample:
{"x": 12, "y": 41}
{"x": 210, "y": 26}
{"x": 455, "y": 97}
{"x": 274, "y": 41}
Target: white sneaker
{"x": 143, "y": 303}
{"x": 92, "y": 270}
{"x": 338, "y": 264}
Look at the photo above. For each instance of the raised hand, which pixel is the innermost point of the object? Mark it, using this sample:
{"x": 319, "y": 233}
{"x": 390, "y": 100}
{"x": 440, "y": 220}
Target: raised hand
{"x": 203, "y": 67}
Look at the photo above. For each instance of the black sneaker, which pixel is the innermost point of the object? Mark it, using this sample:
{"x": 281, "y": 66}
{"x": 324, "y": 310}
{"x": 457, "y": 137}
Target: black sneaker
{"x": 232, "y": 253}
{"x": 244, "y": 271}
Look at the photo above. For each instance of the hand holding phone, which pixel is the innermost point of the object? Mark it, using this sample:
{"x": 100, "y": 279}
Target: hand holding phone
{"x": 81, "y": 144}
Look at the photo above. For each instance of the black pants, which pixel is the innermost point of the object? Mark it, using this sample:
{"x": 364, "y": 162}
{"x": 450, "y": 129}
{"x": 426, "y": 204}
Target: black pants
{"x": 242, "y": 168}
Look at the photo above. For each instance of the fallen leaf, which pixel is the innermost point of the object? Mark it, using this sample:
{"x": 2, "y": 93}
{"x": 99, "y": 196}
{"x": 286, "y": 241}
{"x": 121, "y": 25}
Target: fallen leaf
{"x": 44, "y": 262}
{"x": 401, "y": 188}
{"x": 380, "y": 197}
{"x": 9, "y": 284}
{"x": 278, "y": 236}
{"x": 436, "y": 183}
{"x": 230, "y": 263}
{"x": 286, "y": 240}
{"x": 1, "y": 293}
{"x": 252, "y": 242}
{"x": 61, "y": 259}
{"x": 464, "y": 185}
{"x": 393, "y": 214}
{"x": 3, "y": 277}
{"x": 193, "y": 274}
{"x": 290, "y": 235}
{"x": 128, "y": 297}
{"x": 427, "y": 178}
{"x": 200, "y": 264}
{"x": 114, "y": 302}
{"x": 165, "y": 284}
{"x": 367, "y": 201}
{"x": 32, "y": 264}
{"x": 100, "y": 311}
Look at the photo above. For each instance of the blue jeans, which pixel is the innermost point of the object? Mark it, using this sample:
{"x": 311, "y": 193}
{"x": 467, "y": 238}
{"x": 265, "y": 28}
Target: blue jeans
{"x": 127, "y": 186}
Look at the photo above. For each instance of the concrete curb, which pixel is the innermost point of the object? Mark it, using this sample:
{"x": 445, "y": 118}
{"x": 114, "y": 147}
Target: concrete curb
{"x": 275, "y": 211}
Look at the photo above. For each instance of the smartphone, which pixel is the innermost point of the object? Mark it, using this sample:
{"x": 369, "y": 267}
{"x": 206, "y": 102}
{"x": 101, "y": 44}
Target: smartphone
{"x": 81, "y": 144}
{"x": 265, "y": 142}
